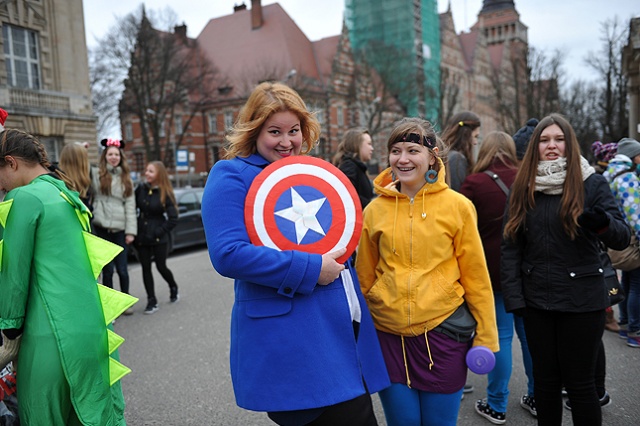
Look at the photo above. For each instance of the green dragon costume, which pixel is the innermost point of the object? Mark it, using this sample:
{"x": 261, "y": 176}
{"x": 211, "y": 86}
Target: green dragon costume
{"x": 68, "y": 370}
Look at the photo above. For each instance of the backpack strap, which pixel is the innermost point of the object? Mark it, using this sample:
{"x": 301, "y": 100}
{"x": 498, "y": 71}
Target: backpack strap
{"x": 498, "y": 181}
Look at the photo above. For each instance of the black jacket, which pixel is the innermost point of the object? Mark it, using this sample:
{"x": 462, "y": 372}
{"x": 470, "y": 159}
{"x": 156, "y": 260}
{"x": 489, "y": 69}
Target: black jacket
{"x": 356, "y": 171}
{"x": 153, "y": 225}
{"x": 545, "y": 269}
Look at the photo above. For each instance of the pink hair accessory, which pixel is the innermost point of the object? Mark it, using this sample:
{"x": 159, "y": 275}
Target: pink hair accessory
{"x": 113, "y": 142}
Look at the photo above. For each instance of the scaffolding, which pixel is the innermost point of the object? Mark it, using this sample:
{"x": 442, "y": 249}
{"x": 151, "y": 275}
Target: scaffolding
{"x": 401, "y": 40}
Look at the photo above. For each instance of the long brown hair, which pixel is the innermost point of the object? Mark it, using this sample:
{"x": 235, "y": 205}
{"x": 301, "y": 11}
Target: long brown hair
{"x": 350, "y": 144}
{"x": 163, "y": 182}
{"x": 74, "y": 162}
{"x": 105, "y": 176}
{"x": 26, "y": 147}
{"x": 457, "y": 135}
{"x": 496, "y": 146}
{"x": 522, "y": 198}
{"x": 265, "y": 100}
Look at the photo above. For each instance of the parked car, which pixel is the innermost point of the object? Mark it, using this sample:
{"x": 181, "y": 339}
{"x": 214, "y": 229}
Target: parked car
{"x": 189, "y": 231}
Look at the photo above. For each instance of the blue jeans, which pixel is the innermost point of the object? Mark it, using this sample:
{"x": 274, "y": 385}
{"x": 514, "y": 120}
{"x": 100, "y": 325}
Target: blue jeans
{"x": 120, "y": 262}
{"x": 498, "y": 380}
{"x": 630, "y": 307}
{"x": 404, "y": 406}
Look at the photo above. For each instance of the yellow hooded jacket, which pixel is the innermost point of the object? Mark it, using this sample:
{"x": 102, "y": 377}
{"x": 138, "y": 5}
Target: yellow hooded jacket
{"x": 419, "y": 259}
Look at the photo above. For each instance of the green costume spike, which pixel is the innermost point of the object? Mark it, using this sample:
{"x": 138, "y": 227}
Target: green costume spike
{"x": 5, "y": 206}
{"x": 116, "y": 371}
{"x": 48, "y": 269}
{"x": 100, "y": 251}
{"x": 114, "y": 303}
{"x": 114, "y": 341}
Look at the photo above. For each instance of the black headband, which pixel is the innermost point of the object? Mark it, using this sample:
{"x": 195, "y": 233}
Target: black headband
{"x": 427, "y": 141}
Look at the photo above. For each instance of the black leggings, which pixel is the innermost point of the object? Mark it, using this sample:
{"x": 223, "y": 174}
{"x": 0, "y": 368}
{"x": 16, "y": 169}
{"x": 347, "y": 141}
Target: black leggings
{"x": 355, "y": 412}
{"x": 159, "y": 253}
{"x": 564, "y": 348}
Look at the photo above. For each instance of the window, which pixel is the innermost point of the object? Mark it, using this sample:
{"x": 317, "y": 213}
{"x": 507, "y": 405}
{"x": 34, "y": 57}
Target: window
{"x": 22, "y": 57}
{"x": 340, "y": 116}
{"x": 178, "y": 124}
{"x": 188, "y": 202}
{"x": 161, "y": 131}
{"x": 318, "y": 111}
{"x": 228, "y": 119}
{"x": 128, "y": 131}
{"x": 53, "y": 146}
{"x": 138, "y": 161}
{"x": 213, "y": 125}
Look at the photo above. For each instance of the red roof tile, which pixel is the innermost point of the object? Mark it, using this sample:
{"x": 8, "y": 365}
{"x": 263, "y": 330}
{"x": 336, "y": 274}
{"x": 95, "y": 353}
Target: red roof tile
{"x": 246, "y": 56}
{"x": 325, "y": 51}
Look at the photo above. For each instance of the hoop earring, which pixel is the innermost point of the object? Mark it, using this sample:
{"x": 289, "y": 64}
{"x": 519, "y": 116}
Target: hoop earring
{"x": 431, "y": 176}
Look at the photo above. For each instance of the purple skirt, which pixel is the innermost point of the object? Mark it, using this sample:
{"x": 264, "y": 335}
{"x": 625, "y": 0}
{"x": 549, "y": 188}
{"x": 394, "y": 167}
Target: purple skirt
{"x": 440, "y": 368}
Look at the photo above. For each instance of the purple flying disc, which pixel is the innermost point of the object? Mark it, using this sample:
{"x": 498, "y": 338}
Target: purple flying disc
{"x": 480, "y": 360}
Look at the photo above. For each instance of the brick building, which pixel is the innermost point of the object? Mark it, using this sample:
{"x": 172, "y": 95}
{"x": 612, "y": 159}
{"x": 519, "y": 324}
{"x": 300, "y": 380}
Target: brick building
{"x": 478, "y": 67}
{"x": 266, "y": 45}
{"x": 263, "y": 43}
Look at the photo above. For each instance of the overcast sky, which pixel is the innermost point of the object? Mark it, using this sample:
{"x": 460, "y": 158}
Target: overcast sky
{"x": 573, "y": 26}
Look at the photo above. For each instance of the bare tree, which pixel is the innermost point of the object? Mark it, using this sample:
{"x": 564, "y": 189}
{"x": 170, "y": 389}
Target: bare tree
{"x": 579, "y": 103}
{"x": 546, "y": 76}
{"x": 450, "y": 95}
{"x": 528, "y": 87}
{"x": 377, "y": 105}
{"x": 166, "y": 77}
{"x": 106, "y": 90}
{"x": 612, "y": 114}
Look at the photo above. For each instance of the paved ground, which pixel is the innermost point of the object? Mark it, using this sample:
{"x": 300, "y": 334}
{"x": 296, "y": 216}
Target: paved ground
{"x": 179, "y": 358}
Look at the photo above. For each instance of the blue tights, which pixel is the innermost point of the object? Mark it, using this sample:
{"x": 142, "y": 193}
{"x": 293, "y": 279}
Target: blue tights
{"x": 498, "y": 379}
{"x": 404, "y": 406}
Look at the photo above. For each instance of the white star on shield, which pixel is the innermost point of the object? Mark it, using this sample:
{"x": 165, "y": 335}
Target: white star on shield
{"x": 303, "y": 215}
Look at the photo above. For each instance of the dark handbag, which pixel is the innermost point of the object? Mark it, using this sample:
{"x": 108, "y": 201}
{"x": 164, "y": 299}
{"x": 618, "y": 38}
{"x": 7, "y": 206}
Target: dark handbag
{"x": 460, "y": 325}
{"x": 611, "y": 282}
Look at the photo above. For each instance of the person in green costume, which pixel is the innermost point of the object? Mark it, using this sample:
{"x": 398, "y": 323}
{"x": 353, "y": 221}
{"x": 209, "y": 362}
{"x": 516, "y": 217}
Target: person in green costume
{"x": 52, "y": 307}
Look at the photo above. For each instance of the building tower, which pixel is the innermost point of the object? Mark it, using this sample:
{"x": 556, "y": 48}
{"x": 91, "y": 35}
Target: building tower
{"x": 500, "y": 22}
{"x": 401, "y": 40}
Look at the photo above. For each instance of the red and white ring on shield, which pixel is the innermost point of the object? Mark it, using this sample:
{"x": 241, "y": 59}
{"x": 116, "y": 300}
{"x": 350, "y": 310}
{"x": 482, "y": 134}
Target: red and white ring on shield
{"x": 333, "y": 215}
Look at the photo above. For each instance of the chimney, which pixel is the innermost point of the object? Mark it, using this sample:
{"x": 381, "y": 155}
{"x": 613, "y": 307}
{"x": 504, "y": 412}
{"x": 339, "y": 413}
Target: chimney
{"x": 256, "y": 14}
{"x": 180, "y": 30}
{"x": 238, "y": 8}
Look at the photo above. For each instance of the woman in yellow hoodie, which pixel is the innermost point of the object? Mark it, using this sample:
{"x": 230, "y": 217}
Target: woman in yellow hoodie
{"x": 420, "y": 260}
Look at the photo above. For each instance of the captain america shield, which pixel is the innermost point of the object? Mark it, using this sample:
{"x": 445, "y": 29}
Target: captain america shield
{"x": 303, "y": 203}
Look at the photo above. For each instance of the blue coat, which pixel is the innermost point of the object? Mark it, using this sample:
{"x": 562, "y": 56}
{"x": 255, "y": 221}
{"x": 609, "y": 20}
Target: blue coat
{"x": 292, "y": 341}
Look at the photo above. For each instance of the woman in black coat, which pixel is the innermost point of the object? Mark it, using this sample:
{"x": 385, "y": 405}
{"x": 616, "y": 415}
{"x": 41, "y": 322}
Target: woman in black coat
{"x": 354, "y": 151}
{"x": 157, "y": 216}
{"x": 558, "y": 212}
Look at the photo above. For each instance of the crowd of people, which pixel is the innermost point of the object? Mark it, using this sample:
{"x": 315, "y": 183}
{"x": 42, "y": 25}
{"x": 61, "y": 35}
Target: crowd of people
{"x": 461, "y": 244}
{"x": 54, "y": 323}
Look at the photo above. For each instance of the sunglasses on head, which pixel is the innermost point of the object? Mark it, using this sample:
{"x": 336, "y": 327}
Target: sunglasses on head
{"x": 427, "y": 141}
